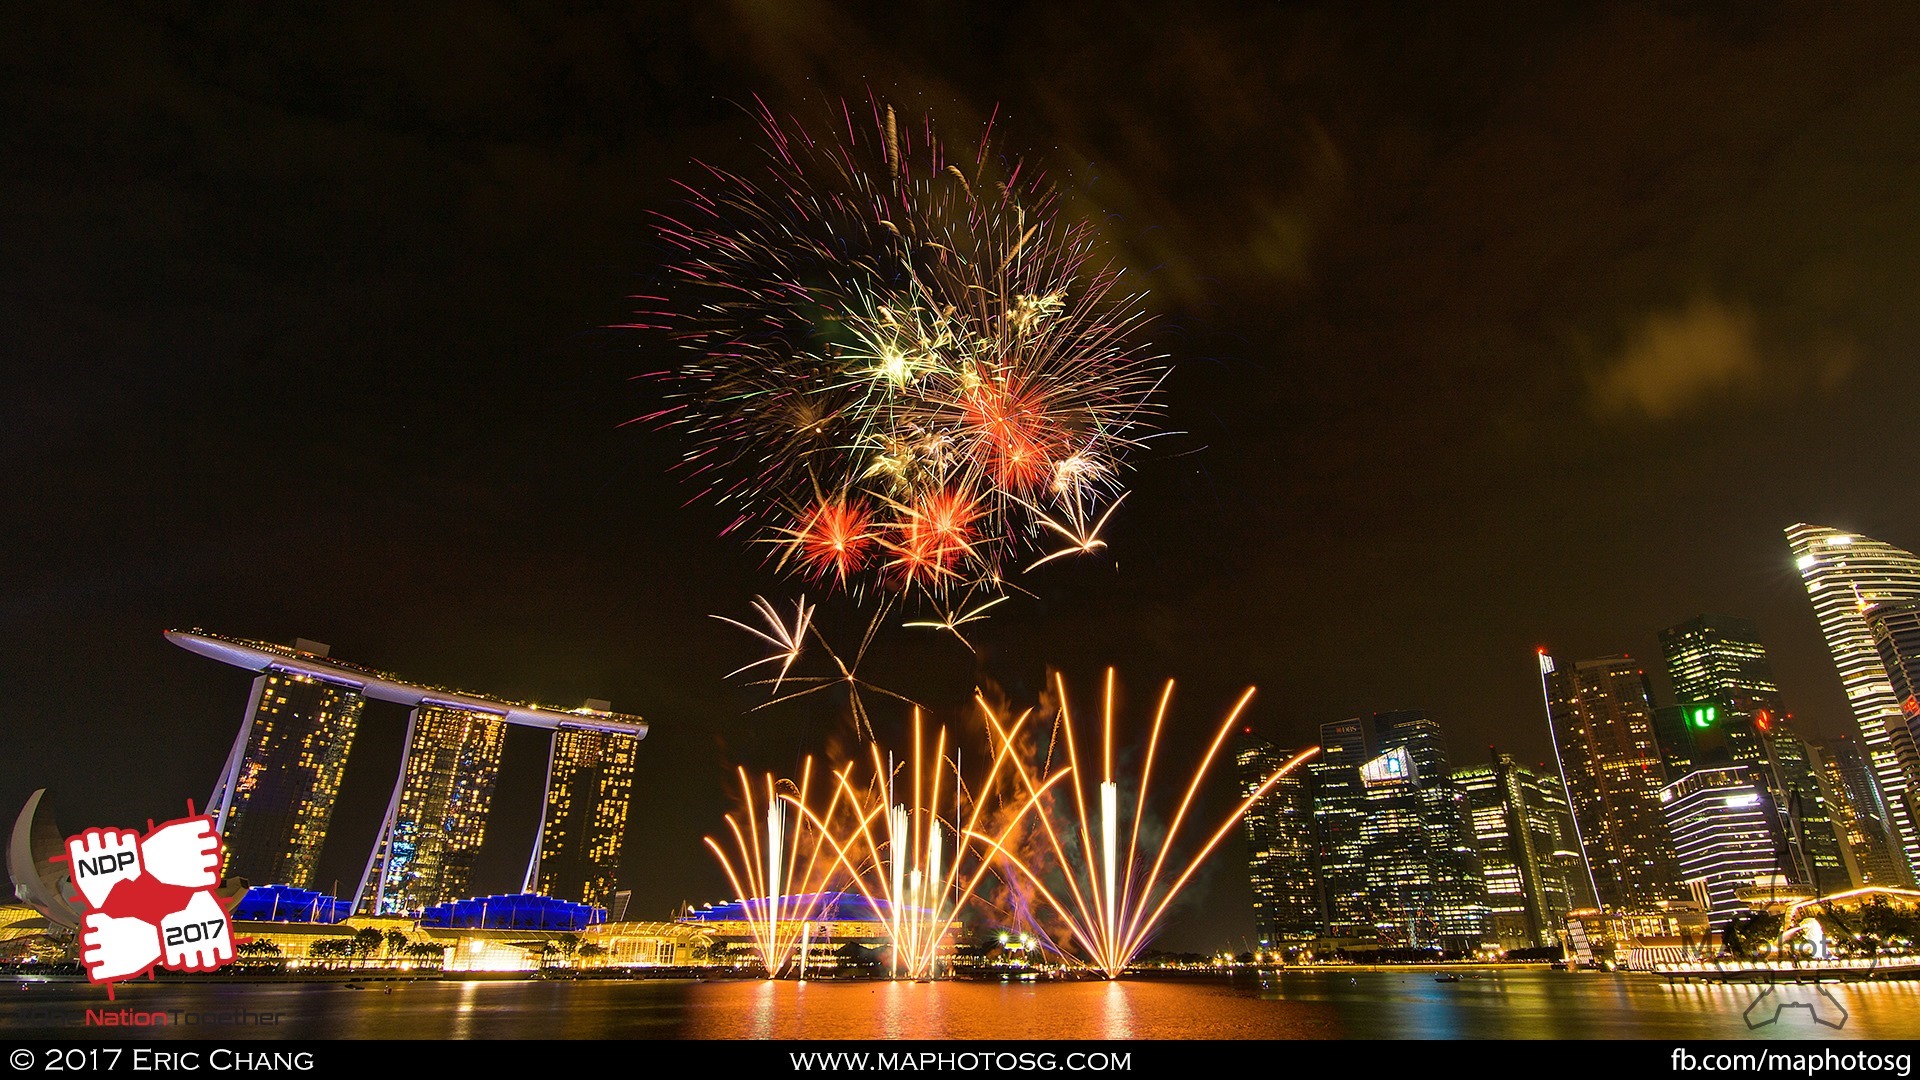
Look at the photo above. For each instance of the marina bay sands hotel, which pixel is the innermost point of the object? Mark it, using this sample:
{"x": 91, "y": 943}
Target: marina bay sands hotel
{"x": 274, "y": 799}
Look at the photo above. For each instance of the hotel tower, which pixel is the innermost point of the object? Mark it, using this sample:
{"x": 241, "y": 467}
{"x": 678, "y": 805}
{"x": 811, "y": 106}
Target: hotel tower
{"x": 273, "y": 801}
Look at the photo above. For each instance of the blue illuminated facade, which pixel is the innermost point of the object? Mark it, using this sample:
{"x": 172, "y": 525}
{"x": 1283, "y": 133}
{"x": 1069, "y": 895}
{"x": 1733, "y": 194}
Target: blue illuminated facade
{"x": 814, "y": 907}
{"x": 519, "y": 911}
{"x": 286, "y": 904}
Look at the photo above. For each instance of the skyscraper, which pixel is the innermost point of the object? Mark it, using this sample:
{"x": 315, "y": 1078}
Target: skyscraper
{"x": 1423, "y": 869}
{"x": 1280, "y": 846}
{"x": 1398, "y": 862}
{"x": 1338, "y": 809}
{"x": 1720, "y": 658}
{"x": 1528, "y": 856}
{"x": 275, "y": 799}
{"x": 1553, "y": 816}
{"x": 1793, "y": 778}
{"x": 1847, "y": 575}
{"x": 438, "y": 815}
{"x": 1859, "y": 815}
{"x": 589, "y": 787}
{"x": 1600, "y": 716}
{"x": 1719, "y": 662}
{"x": 1679, "y": 746}
{"x": 1718, "y": 817}
{"x": 1896, "y": 638}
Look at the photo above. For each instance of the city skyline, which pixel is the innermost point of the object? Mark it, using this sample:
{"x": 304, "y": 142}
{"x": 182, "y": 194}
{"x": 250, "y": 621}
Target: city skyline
{"x": 1695, "y": 811}
{"x": 600, "y": 888}
{"x": 1489, "y": 331}
{"x": 1744, "y": 680}
{"x": 1692, "y": 811}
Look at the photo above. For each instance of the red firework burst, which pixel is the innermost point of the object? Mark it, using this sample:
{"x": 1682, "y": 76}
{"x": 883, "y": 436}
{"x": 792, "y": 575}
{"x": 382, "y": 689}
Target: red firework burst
{"x": 909, "y": 374}
{"x": 836, "y": 538}
{"x": 936, "y": 535}
{"x": 1013, "y": 432}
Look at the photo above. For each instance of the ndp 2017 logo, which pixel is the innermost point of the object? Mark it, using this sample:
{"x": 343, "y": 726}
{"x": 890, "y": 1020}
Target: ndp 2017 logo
{"x": 150, "y": 900}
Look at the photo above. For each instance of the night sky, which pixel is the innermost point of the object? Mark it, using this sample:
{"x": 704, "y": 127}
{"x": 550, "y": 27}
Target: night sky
{"x": 1491, "y": 327}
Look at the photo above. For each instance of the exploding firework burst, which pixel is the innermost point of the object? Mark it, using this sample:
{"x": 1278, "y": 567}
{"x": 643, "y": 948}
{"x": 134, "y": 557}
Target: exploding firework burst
{"x": 1109, "y": 899}
{"x": 904, "y": 372}
{"x": 788, "y": 637}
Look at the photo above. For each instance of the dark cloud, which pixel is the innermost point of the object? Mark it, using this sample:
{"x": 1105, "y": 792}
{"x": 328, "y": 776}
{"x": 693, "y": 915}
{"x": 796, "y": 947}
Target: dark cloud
{"x": 1675, "y": 359}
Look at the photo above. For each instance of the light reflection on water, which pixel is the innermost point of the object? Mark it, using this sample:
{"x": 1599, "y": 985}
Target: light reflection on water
{"x": 463, "y": 1013}
{"x": 1291, "y": 1005}
{"x": 766, "y": 1004}
{"x": 1119, "y": 1012}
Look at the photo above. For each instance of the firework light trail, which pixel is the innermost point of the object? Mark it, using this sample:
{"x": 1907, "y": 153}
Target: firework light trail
{"x": 1111, "y": 907}
{"x": 906, "y": 373}
{"x": 908, "y": 839}
{"x": 778, "y": 873}
{"x": 919, "y": 869}
{"x": 789, "y": 640}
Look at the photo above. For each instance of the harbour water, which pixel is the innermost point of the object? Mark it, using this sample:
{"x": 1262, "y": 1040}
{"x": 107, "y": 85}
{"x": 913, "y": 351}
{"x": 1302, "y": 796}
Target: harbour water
{"x": 1321, "y": 1004}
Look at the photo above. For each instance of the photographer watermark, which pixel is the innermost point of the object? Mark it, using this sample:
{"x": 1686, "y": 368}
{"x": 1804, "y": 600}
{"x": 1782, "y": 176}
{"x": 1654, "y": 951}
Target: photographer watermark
{"x": 1795, "y": 958}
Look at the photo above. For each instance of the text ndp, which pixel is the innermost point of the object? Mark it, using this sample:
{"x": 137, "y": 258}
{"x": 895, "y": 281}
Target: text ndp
{"x": 149, "y": 899}
{"x": 104, "y": 864}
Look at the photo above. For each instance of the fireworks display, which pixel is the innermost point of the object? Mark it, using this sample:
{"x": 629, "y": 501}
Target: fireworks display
{"x": 769, "y": 873}
{"x": 1110, "y": 899}
{"x": 905, "y": 373}
{"x": 913, "y": 379}
{"x": 910, "y": 839}
{"x": 916, "y": 843}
